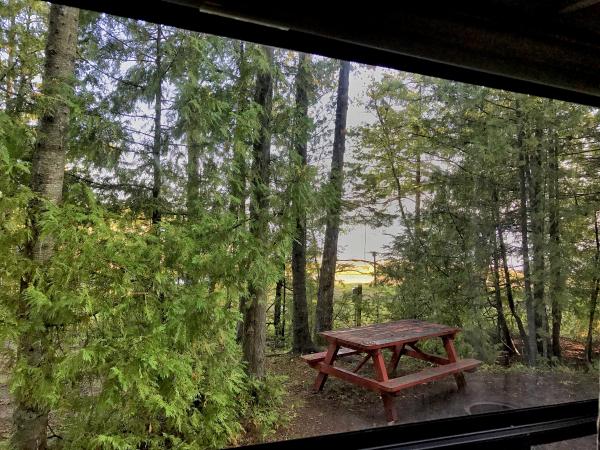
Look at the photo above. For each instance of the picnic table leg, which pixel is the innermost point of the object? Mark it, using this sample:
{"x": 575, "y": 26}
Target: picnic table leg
{"x": 332, "y": 350}
{"x": 389, "y": 404}
{"x": 398, "y": 350}
{"x": 453, "y": 357}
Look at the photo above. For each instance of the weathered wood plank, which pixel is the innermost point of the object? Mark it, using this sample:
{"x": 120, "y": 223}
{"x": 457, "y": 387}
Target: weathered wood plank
{"x": 315, "y": 358}
{"x": 388, "y": 334}
{"x": 427, "y": 375}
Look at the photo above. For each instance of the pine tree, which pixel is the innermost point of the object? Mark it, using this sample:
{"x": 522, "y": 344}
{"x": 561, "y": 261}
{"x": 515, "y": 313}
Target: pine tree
{"x": 324, "y": 316}
{"x": 32, "y": 408}
{"x": 254, "y": 337}
{"x": 301, "y": 339}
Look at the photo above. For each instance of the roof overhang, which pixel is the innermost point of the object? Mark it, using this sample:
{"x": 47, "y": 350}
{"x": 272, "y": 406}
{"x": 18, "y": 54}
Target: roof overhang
{"x": 549, "y": 48}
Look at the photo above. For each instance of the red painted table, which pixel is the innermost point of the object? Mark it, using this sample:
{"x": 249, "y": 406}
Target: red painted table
{"x": 401, "y": 338}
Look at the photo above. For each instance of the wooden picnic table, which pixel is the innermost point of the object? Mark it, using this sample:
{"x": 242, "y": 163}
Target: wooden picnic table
{"x": 401, "y": 337}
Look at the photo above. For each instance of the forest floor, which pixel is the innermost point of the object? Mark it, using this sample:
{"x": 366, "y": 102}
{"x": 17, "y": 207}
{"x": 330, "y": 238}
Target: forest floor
{"x": 345, "y": 407}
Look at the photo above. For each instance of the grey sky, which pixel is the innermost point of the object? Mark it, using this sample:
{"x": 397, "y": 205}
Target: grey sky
{"x": 359, "y": 241}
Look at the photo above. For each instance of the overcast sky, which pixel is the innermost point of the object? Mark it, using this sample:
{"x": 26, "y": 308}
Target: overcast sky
{"x": 359, "y": 241}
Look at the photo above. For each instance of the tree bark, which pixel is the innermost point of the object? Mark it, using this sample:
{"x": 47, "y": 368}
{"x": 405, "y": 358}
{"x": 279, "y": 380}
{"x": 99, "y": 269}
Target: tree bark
{"x": 30, "y": 417}
{"x": 507, "y": 340}
{"x": 538, "y": 274}
{"x": 301, "y": 339}
{"x": 418, "y": 196}
{"x": 555, "y": 258}
{"x": 254, "y": 333}
{"x": 277, "y": 309}
{"x": 507, "y": 278}
{"x": 157, "y": 144}
{"x": 324, "y": 316}
{"x": 523, "y": 216}
{"x": 594, "y": 296}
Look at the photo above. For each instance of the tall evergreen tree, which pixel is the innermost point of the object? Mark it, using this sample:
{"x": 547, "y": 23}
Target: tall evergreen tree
{"x": 254, "y": 337}
{"x": 324, "y": 315}
{"x": 31, "y": 411}
{"x": 301, "y": 339}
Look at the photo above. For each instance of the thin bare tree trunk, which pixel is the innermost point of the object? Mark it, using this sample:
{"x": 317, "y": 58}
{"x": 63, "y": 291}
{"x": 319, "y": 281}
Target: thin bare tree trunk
{"x": 31, "y": 416}
{"x": 502, "y": 325}
{"x": 507, "y": 278}
{"x": 301, "y": 339}
{"x": 324, "y": 316}
{"x": 157, "y": 144}
{"x": 279, "y": 287}
{"x": 529, "y": 302}
{"x": 555, "y": 259}
{"x": 254, "y": 333}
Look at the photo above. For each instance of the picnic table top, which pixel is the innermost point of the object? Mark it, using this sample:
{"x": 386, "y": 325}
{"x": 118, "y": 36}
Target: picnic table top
{"x": 382, "y": 335}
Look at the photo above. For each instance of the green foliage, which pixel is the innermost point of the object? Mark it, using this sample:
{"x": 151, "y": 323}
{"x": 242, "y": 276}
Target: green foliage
{"x": 138, "y": 320}
{"x": 140, "y": 354}
{"x": 457, "y": 148}
{"x": 266, "y": 402}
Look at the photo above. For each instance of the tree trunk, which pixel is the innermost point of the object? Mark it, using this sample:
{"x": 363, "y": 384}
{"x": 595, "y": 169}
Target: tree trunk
{"x": 254, "y": 333}
{"x": 277, "y": 309}
{"x": 502, "y": 325}
{"x": 529, "y": 303}
{"x": 536, "y": 198}
{"x": 301, "y": 339}
{"x": 30, "y": 417}
{"x": 157, "y": 144}
{"x": 507, "y": 278}
{"x": 418, "y": 196}
{"x": 324, "y": 316}
{"x": 555, "y": 258}
{"x": 594, "y": 297}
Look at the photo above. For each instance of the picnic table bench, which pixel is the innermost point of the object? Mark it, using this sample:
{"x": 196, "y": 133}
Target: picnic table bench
{"x": 401, "y": 337}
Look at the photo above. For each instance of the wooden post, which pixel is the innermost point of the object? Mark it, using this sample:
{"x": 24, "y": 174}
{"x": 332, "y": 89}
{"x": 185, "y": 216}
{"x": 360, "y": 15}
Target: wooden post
{"x": 357, "y": 295}
{"x": 453, "y": 357}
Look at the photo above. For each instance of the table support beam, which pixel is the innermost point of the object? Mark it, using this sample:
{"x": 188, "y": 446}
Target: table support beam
{"x": 389, "y": 402}
{"x": 453, "y": 357}
{"x": 332, "y": 350}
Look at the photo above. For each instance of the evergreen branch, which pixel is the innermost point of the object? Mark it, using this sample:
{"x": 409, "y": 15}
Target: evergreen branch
{"x": 107, "y": 186}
